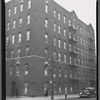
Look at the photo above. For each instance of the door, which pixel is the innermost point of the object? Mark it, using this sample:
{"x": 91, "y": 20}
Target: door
{"x": 13, "y": 89}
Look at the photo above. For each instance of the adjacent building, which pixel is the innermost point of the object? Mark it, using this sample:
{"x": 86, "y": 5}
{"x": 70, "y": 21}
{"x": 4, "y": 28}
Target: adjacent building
{"x": 44, "y": 39}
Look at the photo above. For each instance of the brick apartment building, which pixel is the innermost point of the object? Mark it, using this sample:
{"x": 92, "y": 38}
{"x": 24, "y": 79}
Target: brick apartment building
{"x": 42, "y": 37}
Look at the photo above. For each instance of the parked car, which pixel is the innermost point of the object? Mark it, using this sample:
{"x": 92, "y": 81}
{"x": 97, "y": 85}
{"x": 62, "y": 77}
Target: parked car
{"x": 88, "y": 92}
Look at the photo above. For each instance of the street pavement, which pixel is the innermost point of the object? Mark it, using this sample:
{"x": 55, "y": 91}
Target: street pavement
{"x": 56, "y": 97}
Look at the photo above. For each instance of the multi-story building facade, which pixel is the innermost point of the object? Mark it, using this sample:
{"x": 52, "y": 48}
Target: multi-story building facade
{"x": 42, "y": 39}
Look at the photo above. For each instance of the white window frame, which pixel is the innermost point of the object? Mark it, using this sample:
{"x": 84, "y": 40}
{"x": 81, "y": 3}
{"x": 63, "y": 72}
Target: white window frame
{"x": 20, "y": 21}
{"x": 55, "y": 12}
{"x": 15, "y": 9}
{"x": 46, "y": 8}
{"x": 59, "y": 29}
{"x": 55, "y": 27}
{"x": 21, "y": 7}
{"x": 9, "y": 12}
{"x": 59, "y": 43}
{"x": 29, "y": 4}
{"x": 28, "y": 19}
{"x": 13, "y": 38}
{"x": 27, "y": 35}
{"x": 59, "y": 16}
{"x": 46, "y": 37}
{"x": 8, "y": 26}
{"x": 64, "y": 31}
{"x": 59, "y": 56}
{"x": 64, "y": 20}
{"x": 65, "y": 58}
{"x": 65, "y": 45}
{"x": 19, "y": 37}
{"x": 55, "y": 41}
{"x": 14, "y": 24}
{"x": 46, "y": 22}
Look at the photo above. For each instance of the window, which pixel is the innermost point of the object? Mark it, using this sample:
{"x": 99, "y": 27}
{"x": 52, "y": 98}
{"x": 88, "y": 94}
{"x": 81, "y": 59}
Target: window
{"x": 82, "y": 62}
{"x": 46, "y": 38}
{"x": 55, "y": 26}
{"x": 65, "y": 72}
{"x": 64, "y": 44}
{"x": 78, "y": 61}
{"x": 15, "y": 10}
{"x": 45, "y": 86}
{"x": 59, "y": 43}
{"x": 70, "y": 59}
{"x": 74, "y": 24}
{"x": 69, "y": 35}
{"x": 70, "y": 73}
{"x": 17, "y": 69}
{"x": 54, "y": 41}
{"x": 20, "y": 22}
{"x": 46, "y": 8}
{"x": 70, "y": 47}
{"x": 26, "y": 69}
{"x": 81, "y": 51}
{"x": 8, "y": 25}
{"x": 77, "y": 37}
{"x": 59, "y": 16}
{"x": 69, "y": 22}
{"x": 21, "y": 7}
{"x": 12, "y": 53}
{"x": 80, "y": 29}
{"x": 64, "y": 19}
{"x": 65, "y": 58}
{"x": 59, "y": 56}
{"x": 75, "y": 61}
{"x": 9, "y": 12}
{"x": 28, "y": 19}
{"x": 27, "y": 35}
{"x": 55, "y": 87}
{"x": 25, "y": 87}
{"x": 29, "y": 4}
{"x": 55, "y": 54}
{"x": 11, "y": 69}
{"x": 46, "y": 23}
{"x": 60, "y": 89}
{"x": 64, "y": 32}
{"x": 78, "y": 49}
{"x": 46, "y": 70}
{"x": 7, "y": 39}
{"x": 18, "y": 52}
{"x": 14, "y": 24}
{"x": 59, "y": 29}
{"x": 27, "y": 50}
{"x": 59, "y": 71}
{"x": 19, "y": 37}
{"x": 81, "y": 40}
{"x": 55, "y": 13}
{"x": 13, "y": 39}
{"x": 46, "y": 52}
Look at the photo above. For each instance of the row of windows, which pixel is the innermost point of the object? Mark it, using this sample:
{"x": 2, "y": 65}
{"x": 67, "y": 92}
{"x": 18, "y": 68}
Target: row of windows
{"x": 81, "y": 39}
{"x": 21, "y": 8}
{"x": 76, "y": 61}
{"x": 71, "y": 22}
{"x": 20, "y": 22}
{"x": 19, "y": 37}
{"x": 73, "y": 74}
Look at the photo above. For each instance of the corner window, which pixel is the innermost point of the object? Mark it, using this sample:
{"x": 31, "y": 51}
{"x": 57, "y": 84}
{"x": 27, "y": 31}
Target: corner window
{"x": 9, "y": 12}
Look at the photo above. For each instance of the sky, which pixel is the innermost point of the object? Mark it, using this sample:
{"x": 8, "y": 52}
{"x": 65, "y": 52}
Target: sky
{"x": 84, "y": 9}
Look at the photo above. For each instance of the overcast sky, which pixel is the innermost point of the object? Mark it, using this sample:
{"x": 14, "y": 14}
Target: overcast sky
{"x": 84, "y": 9}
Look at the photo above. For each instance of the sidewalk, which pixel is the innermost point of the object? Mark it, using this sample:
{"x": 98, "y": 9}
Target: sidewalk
{"x": 56, "y": 97}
